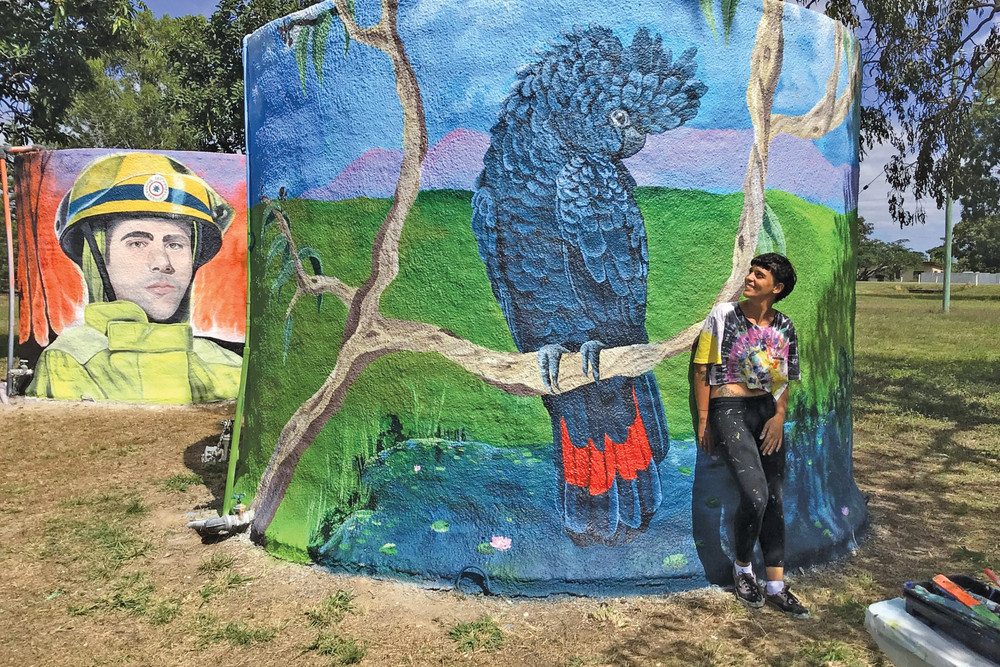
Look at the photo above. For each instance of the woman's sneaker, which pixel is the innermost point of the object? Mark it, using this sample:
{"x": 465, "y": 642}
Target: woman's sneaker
{"x": 787, "y": 603}
{"x": 747, "y": 590}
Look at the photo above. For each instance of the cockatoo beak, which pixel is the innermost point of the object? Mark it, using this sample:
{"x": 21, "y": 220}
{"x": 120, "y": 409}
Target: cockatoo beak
{"x": 632, "y": 141}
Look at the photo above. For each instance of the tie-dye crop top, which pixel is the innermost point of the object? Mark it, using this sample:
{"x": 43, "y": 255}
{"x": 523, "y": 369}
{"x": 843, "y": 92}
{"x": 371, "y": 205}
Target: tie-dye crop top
{"x": 740, "y": 352}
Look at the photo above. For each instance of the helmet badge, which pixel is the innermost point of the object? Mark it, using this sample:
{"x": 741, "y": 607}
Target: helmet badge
{"x": 156, "y": 188}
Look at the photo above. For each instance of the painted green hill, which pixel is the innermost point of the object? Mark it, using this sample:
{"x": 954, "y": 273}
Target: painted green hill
{"x": 442, "y": 281}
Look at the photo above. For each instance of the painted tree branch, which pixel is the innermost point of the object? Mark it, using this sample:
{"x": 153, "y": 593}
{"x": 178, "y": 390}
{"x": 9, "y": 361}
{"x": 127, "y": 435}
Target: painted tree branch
{"x": 765, "y": 68}
{"x": 516, "y": 372}
{"x": 830, "y": 111}
{"x": 369, "y": 335}
{"x": 306, "y": 283}
{"x": 361, "y": 337}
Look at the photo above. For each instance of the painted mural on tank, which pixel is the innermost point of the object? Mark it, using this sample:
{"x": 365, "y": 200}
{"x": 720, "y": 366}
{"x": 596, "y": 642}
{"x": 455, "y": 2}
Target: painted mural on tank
{"x": 476, "y": 280}
{"x": 132, "y": 274}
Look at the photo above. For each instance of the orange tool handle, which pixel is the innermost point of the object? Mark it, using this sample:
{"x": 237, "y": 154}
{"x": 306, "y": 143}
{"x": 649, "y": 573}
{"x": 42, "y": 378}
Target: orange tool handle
{"x": 955, "y": 590}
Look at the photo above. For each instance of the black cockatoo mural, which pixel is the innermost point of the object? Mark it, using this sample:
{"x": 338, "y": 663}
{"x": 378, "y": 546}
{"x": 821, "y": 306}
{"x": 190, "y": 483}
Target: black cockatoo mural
{"x": 565, "y": 249}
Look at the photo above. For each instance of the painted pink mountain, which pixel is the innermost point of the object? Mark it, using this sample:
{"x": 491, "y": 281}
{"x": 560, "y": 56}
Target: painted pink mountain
{"x": 712, "y": 160}
{"x": 452, "y": 163}
{"x": 716, "y": 161}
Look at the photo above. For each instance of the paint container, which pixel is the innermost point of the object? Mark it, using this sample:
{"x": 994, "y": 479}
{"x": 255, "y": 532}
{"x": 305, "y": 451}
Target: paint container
{"x": 923, "y": 600}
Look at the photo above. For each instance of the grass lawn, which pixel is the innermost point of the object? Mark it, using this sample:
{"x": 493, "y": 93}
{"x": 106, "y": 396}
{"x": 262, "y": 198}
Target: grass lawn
{"x": 927, "y": 426}
{"x": 97, "y": 567}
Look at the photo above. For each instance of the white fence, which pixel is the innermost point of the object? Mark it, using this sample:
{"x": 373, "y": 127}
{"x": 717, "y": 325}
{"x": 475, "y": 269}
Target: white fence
{"x": 963, "y": 278}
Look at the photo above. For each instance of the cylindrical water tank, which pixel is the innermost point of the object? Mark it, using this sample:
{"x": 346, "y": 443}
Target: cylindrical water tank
{"x": 461, "y": 211}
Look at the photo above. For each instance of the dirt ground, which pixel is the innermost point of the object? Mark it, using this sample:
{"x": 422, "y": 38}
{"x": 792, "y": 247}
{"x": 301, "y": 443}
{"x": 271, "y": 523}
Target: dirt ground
{"x": 98, "y": 568}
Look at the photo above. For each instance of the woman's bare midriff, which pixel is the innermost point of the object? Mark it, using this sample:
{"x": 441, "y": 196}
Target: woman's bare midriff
{"x": 734, "y": 389}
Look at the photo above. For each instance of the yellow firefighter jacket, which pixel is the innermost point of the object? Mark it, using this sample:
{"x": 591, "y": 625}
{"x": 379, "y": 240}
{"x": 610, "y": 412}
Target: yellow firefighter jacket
{"x": 119, "y": 355}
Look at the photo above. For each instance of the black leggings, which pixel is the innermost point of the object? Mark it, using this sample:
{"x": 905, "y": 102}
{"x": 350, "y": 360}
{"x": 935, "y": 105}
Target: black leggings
{"x": 736, "y": 425}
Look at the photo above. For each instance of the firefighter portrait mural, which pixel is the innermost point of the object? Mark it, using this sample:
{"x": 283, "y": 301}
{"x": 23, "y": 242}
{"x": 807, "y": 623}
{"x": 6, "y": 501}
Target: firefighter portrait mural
{"x": 476, "y": 281}
{"x": 131, "y": 274}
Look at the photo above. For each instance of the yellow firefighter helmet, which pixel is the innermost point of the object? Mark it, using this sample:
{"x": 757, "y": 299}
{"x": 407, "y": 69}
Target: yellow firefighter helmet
{"x": 141, "y": 185}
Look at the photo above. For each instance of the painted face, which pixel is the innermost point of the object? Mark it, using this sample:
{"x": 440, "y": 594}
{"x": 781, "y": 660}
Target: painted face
{"x": 150, "y": 263}
{"x": 759, "y": 283}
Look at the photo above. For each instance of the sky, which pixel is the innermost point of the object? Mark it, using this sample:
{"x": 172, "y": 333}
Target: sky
{"x": 873, "y": 205}
{"x": 464, "y": 79}
{"x": 872, "y": 202}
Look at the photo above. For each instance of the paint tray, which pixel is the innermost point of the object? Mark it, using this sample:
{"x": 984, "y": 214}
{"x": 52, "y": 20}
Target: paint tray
{"x": 948, "y": 620}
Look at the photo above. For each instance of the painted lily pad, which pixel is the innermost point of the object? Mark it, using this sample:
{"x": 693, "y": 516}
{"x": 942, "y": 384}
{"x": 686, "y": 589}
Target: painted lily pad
{"x": 485, "y": 548}
{"x": 684, "y": 471}
{"x": 675, "y": 562}
{"x": 440, "y": 526}
{"x": 389, "y": 549}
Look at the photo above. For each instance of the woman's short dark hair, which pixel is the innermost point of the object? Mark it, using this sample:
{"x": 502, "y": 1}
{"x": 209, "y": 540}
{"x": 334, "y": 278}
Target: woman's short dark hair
{"x": 780, "y": 268}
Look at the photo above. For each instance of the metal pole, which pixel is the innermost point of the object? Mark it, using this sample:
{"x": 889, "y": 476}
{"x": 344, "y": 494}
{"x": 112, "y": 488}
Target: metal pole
{"x": 234, "y": 447}
{"x": 10, "y": 266}
{"x": 947, "y": 253}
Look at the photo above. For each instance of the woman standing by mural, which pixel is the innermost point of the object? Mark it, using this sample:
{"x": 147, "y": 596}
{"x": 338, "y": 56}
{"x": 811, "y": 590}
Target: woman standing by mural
{"x": 747, "y": 353}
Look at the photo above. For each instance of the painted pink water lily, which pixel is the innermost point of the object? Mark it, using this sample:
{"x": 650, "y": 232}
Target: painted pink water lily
{"x": 500, "y": 543}
{"x": 416, "y": 468}
{"x": 845, "y": 510}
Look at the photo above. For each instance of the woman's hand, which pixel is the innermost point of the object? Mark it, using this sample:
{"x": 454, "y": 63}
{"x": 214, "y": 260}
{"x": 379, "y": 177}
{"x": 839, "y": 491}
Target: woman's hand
{"x": 704, "y": 437}
{"x": 774, "y": 429}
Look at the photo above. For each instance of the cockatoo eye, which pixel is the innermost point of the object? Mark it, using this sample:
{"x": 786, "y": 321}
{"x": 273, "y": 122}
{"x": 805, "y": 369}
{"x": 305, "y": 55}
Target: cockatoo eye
{"x": 619, "y": 118}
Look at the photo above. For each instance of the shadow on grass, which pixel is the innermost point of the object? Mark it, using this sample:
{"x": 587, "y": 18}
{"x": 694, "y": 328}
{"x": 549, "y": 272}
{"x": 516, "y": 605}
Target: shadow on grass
{"x": 954, "y": 391}
{"x": 731, "y": 635}
{"x": 931, "y": 458}
{"x": 923, "y": 415}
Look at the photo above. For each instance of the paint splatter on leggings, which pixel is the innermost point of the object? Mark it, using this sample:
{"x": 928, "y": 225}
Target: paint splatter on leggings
{"x": 736, "y": 425}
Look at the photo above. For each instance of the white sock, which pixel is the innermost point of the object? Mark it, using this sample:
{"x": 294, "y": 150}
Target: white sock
{"x": 743, "y": 569}
{"x": 774, "y": 587}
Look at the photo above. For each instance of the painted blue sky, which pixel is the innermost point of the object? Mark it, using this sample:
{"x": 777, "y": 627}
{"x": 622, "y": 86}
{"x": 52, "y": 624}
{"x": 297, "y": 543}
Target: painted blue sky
{"x": 872, "y": 202}
{"x": 464, "y": 77}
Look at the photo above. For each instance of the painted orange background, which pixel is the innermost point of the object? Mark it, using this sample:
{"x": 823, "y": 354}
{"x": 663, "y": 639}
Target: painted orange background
{"x": 50, "y": 285}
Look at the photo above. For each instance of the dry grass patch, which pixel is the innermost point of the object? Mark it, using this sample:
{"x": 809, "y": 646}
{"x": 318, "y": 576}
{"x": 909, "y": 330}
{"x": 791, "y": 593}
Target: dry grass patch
{"x": 483, "y": 634}
{"x": 340, "y": 650}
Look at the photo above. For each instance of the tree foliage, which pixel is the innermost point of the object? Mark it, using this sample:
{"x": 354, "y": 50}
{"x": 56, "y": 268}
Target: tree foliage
{"x": 99, "y": 73}
{"x": 886, "y": 261}
{"x": 927, "y": 72}
{"x": 209, "y": 67}
{"x": 882, "y": 259}
{"x": 44, "y": 48}
{"x": 936, "y": 254}
{"x": 981, "y": 191}
{"x": 977, "y": 244}
{"x": 138, "y": 99}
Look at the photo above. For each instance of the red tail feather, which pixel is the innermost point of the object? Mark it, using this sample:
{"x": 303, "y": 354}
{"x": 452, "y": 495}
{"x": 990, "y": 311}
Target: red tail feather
{"x": 591, "y": 468}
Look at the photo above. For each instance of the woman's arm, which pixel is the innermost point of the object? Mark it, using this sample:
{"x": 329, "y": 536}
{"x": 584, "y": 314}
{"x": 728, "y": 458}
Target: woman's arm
{"x": 701, "y": 396}
{"x": 774, "y": 428}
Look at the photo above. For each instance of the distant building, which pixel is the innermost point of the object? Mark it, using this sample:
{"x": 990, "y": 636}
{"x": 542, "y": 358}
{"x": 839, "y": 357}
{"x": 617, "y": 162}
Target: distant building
{"x": 913, "y": 275}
